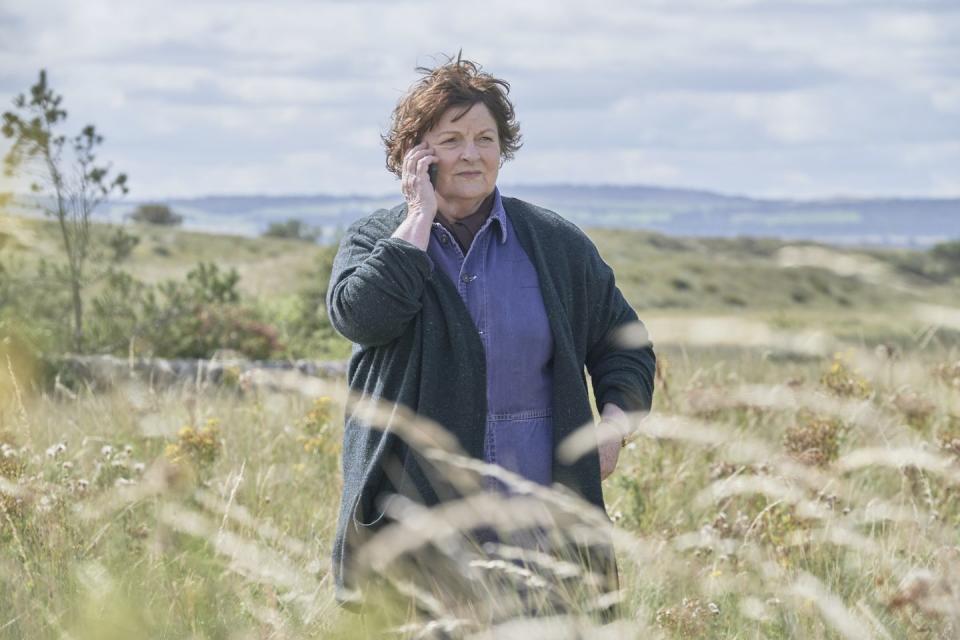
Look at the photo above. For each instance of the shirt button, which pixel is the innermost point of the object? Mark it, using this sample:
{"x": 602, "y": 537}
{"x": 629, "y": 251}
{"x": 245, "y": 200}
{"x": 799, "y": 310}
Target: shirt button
{"x": 443, "y": 240}
{"x": 467, "y": 279}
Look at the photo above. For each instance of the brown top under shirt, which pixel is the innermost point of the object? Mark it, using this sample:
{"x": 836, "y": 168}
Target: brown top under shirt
{"x": 465, "y": 229}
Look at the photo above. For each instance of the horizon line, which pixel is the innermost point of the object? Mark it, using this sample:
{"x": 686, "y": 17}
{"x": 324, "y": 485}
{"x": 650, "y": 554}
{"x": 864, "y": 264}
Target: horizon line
{"x": 540, "y": 185}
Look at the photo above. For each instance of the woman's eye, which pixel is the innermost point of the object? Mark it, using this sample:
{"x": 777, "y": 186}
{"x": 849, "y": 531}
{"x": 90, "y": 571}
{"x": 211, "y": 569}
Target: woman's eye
{"x": 447, "y": 141}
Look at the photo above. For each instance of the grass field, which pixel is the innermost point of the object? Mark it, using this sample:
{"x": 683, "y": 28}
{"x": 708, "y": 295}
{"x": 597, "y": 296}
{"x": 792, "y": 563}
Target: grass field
{"x": 799, "y": 476}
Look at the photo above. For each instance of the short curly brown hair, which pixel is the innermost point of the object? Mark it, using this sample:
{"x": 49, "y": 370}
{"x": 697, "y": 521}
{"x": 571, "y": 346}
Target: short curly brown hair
{"x": 456, "y": 83}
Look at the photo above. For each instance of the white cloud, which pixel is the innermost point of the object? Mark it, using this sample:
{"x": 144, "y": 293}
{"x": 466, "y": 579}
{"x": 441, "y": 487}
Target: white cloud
{"x": 946, "y": 99}
{"x": 906, "y": 27}
{"x": 621, "y": 166}
{"x": 787, "y": 117}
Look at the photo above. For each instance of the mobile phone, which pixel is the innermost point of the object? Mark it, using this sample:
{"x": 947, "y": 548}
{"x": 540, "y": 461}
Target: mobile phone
{"x": 432, "y": 170}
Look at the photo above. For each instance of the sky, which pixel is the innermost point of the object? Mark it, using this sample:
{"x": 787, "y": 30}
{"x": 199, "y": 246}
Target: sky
{"x": 776, "y": 98}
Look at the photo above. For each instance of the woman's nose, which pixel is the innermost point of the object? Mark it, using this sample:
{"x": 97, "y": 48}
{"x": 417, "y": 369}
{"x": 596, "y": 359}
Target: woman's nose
{"x": 469, "y": 151}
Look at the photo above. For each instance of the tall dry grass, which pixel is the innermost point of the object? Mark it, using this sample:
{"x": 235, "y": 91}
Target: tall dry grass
{"x": 790, "y": 488}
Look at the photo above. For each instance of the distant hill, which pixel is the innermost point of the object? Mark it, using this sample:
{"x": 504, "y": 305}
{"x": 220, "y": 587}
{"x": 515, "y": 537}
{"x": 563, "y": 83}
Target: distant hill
{"x": 901, "y": 222}
{"x": 850, "y": 221}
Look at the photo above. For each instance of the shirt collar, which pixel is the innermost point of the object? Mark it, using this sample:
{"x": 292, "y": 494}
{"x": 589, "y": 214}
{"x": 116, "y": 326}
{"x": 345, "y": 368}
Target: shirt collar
{"x": 497, "y": 218}
{"x": 499, "y": 214}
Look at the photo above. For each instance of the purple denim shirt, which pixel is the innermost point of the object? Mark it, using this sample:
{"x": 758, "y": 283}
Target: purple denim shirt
{"x": 498, "y": 284}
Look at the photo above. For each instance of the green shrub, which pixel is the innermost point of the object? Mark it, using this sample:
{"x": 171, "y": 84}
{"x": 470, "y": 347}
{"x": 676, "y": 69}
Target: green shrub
{"x": 191, "y": 318}
{"x": 948, "y": 255}
{"x": 303, "y": 321}
{"x": 293, "y": 229}
{"x": 159, "y": 214}
{"x": 35, "y": 305}
{"x": 203, "y": 315}
{"x": 121, "y": 244}
{"x": 115, "y": 313}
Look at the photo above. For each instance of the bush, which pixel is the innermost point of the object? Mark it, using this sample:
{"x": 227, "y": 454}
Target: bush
{"x": 199, "y": 446}
{"x": 814, "y": 440}
{"x": 306, "y": 330}
{"x": 35, "y": 305}
{"x": 844, "y": 381}
{"x": 293, "y": 229}
{"x": 948, "y": 254}
{"x": 116, "y": 313}
{"x": 191, "y": 318}
{"x": 203, "y": 315}
{"x": 121, "y": 244}
{"x": 159, "y": 214}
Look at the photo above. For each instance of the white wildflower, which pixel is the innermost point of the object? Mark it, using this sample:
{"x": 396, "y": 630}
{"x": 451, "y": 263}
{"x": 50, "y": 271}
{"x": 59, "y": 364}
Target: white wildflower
{"x": 44, "y": 504}
{"x": 55, "y": 450}
{"x": 106, "y": 451}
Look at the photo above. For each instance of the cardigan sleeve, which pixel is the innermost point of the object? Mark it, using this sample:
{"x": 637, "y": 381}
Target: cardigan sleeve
{"x": 621, "y": 369}
{"x": 375, "y": 285}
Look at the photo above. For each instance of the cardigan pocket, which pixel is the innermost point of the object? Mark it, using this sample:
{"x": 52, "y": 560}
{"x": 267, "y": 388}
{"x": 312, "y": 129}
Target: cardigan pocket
{"x": 383, "y": 492}
{"x": 358, "y": 518}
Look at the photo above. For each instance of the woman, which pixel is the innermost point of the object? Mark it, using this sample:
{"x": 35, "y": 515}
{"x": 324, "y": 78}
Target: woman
{"x": 474, "y": 310}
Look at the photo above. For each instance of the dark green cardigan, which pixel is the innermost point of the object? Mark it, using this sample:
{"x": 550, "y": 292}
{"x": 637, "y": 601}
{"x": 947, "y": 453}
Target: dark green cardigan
{"x": 416, "y": 344}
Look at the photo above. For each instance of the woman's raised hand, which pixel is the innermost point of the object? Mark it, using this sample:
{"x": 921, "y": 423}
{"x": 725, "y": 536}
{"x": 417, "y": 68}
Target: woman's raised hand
{"x": 415, "y": 181}
{"x": 420, "y": 196}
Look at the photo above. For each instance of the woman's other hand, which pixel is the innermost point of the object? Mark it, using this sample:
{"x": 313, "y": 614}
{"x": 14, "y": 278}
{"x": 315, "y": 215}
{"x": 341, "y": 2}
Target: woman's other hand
{"x": 614, "y": 425}
{"x": 420, "y": 196}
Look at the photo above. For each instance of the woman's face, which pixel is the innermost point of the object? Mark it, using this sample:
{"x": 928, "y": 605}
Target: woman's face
{"x": 469, "y": 152}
